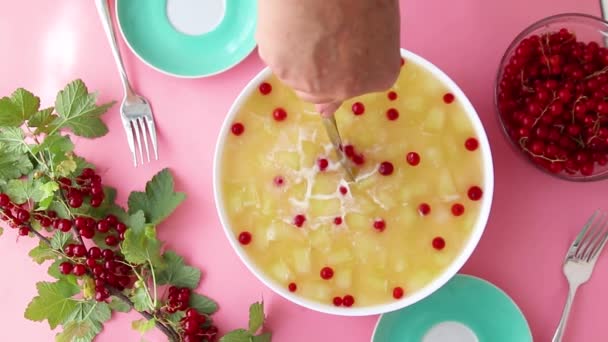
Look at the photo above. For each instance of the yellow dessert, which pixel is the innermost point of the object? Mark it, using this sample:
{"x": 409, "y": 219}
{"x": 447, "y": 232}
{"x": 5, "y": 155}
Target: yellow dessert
{"x": 399, "y": 226}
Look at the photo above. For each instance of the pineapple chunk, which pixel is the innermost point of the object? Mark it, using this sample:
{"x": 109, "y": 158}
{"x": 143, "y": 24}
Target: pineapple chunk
{"x": 375, "y": 282}
{"x": 281, "y": 271}
{"x": 320, "y": 208}
{"x": 302, "y": 262}
{"x": 324, "y": 184}
{"x": 413, "y": 104}
{"x": 268, "y": 205}
{"x": 434, "y": 156}
{"x": 290, "y": 160}
{"x": 435, "y": 120}
{"x": 298, "y": 190}
{"x": 460, "y": 123}
{"x": 339, "y": 256}
{"x": 250, "y": 196}
{"x": 320, "y": 239}
{"x": 344, "y": 279}
{"x": 386, "y": 197}
{"x": 316, "y": 290}
{"x": 364, "y": 247}
{"x": 446, "y": 187}
{"x": 311, "y": 151}
{"x": 358, "y": 221}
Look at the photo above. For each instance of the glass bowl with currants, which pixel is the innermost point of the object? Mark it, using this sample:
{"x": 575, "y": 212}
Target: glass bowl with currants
{"x": 551, "y": 94}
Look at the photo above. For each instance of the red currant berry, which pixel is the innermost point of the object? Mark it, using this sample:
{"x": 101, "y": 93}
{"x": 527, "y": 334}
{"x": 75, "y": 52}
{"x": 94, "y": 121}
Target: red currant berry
{"x": 438, "y": 243}
{"x": 265, "y": 88}
{"x": 379, "y": 225}
{"x": 299, "y": 220}
{"x": 237, "y": 128}
{"x": 66, "y": 267}
{"x": 398, "y": 292}
{"x": 112, "y": 240}
{"x": 385, "y": 168}
{"x": 457, "y": 209}
{"x": 358, "y": 108}
{"x": 348, "y": 301}
{"x": 79, "y": 270}
{"x": 279, "y": 114}
{"x": 413, "y": 158}
{"x": 292, "y": 287}
{"x": 327, "y": 273}
{"x": 475, "y": 193}
{"x": 424, "y": 209}
{"x": 245, "y": 238}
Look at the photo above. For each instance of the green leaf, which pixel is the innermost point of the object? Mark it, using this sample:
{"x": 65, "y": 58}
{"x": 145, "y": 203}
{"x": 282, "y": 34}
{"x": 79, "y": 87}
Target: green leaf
{"x": 53, "y": 303}
{"x": 77, "y": 332}
{"x": 203, "y": 304}
{"x": 140, "y": 299}
{"x": 86, "y": 320}
{"x": 256, "y": 317}
{"x": 13, "y": 140}
{"x": 1, "y": 231}
{"x": 239, "y": 335}
{"x": 176, "y": 317}
{"x": 26, "y": 103}
{"x": 265, "y": 337}
{"x": 22, "y": 190}
{"x": 56, "y": 144}
{"x": 177, "y": 273}
{"x": 118, "y": 305}
{"x": 60, "y": 239}
{"x": 42, "y": 117}
{"x": 48, "y": 189}
{"x": 60, "y": 209}
{"x": 143, "y": 325}
{"x": 9, "y": 113}
{"x": 54, "y": 269}
{"x": 42, "y": 252}
{"x": 78, "y": 111}
{"x": 159, "y": 200}
{"x": 13, "y": 165}
{"x": 140, "y": 244}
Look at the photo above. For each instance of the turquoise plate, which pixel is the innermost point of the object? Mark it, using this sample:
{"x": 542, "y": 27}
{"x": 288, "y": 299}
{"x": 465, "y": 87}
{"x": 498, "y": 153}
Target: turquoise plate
{"x": 466, "y": 309}
{"x": 189, "y": 38}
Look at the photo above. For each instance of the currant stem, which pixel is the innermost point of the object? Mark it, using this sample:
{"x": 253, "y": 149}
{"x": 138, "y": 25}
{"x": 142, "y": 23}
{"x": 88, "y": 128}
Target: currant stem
{"x": 171, "y": 334}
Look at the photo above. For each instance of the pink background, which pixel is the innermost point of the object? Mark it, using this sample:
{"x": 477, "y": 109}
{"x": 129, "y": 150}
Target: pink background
{"x": 46, "y": 44}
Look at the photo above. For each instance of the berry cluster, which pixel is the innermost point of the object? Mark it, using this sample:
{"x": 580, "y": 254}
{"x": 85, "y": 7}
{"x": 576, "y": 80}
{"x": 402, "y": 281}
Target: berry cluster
{"x": 196, "y": 327}
{"x": 553, "y": 100}
{"x": 14, "y": 215}
{"x": 105, "y": 266}
{"x": 88, "y": 184}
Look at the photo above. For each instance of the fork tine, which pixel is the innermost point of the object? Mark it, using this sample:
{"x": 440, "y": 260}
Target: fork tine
{"x": 599, "y": 241}
{"x": 575, "y": 244}
{"x": 152, "y": 131}
{"x": 138, "y": 137}
{"x": 140, "y": 123}
{"x": 129, "y": 133}
{"x": 588, "y": 239}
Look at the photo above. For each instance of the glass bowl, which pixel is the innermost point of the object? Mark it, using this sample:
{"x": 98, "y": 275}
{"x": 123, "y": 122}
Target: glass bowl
{"x": 551, "y": 95}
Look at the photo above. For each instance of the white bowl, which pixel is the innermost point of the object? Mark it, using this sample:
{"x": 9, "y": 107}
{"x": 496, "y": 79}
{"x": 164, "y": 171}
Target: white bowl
{"x": 488, "y": 186}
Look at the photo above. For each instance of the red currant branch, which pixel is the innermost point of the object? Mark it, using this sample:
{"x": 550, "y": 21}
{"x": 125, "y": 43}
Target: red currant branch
{"x": 170, "y": 332}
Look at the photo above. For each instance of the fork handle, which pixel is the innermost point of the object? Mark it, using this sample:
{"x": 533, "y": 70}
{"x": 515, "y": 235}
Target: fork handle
{"x": 561, "y": 328}
{"x": 104, "y": 14}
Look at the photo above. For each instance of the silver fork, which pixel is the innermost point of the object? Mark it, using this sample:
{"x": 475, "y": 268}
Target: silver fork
{"x": 135, "y": 111}
{"x": 580, "y": 261}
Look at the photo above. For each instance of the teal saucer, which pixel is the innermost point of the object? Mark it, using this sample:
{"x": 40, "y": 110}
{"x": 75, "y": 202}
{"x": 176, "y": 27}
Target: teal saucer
{"x": 466, "y": 309}
{"x": 189, "y": 38}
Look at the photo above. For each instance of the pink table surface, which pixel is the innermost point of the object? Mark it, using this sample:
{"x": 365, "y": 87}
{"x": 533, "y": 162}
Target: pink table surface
{"x": 45, "y": 44}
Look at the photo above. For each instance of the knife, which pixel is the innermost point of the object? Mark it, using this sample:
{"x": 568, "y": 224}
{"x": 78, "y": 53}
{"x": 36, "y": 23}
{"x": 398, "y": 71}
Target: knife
{"x": 331, "y": 127}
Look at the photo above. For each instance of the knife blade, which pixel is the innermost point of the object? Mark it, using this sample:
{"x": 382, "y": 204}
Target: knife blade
{"x": 331, "y": 127}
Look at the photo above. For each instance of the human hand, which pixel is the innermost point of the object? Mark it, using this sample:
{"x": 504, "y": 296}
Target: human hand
{"x": 328, "y": 51}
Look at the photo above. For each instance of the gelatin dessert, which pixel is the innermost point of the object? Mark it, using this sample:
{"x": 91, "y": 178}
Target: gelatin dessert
{"x": 417, "y": 196}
